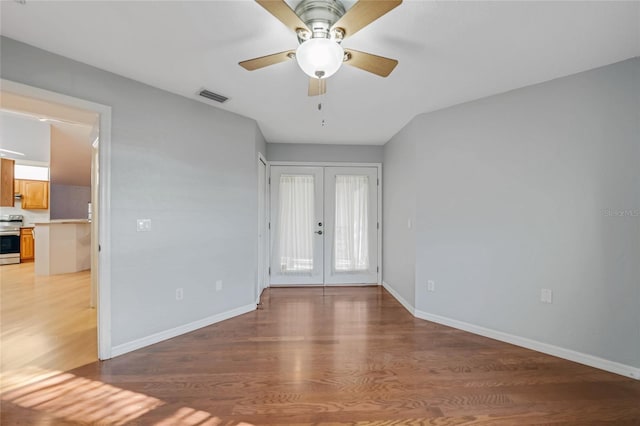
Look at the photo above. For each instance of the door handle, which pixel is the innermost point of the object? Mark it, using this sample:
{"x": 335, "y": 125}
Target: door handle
{"x": 319, "y": 232}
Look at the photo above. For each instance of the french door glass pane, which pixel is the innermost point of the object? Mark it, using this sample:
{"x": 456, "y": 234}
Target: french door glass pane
{"x": 351, "y": 234}
{"x": 296, "y": 224}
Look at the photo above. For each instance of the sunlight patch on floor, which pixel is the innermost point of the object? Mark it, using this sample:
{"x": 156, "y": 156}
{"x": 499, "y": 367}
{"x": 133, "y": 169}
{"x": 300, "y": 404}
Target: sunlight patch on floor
{"x": 77, "y": 399}
{"x": 14, "y": 379}
{"x": 190, "y": 417}
{"x": 82, "y": 400}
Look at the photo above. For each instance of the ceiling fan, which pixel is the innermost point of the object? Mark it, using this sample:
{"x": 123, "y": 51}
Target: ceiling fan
{"x": 321, "y": 26}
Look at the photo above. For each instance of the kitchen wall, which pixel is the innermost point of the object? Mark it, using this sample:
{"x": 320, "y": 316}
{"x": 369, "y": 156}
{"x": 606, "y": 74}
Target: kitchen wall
{"x": 70, "y": 189}
{"x": 187, "y": 166}
{"x": 69, "y": 201}
{"x": 30, "y": 216}
{"x": 326, "y": 153}
{"x": 535, "y": 188}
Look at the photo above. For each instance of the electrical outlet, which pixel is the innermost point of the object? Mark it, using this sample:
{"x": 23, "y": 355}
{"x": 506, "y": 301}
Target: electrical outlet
{"x": 218, "y": 285}
{"x": 143, "y": 225}
{"x": 179, "y": 293}
{"x": 431, "y": 285}
{"x": 546, "y": 295}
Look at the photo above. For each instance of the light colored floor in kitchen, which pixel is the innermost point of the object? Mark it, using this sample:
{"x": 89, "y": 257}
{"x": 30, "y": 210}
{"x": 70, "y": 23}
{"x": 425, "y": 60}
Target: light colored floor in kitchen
{"x": 46, "y": 325}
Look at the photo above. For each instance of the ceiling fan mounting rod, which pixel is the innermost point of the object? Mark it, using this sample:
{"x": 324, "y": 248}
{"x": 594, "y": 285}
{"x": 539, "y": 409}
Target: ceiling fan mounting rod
{"x": 319, "y": 16}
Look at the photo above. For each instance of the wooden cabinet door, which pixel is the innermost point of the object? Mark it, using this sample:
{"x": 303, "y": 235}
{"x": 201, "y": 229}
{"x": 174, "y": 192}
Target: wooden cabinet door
{"x": 35, "y": 194}
{"x": 27, "y": 245}
{"x": 6, "y": 182}
{"x": 17, "y": 186}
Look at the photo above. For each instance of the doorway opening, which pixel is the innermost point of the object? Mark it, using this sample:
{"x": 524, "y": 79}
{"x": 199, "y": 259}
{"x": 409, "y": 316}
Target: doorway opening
{"x": 56, "y": 308}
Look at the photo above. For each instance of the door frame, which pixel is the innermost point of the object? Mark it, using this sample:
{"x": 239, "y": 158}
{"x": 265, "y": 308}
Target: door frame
{"x": 264, "y": 249}
{"x": 103, "y": 305}
{"x": 334, "y": 164}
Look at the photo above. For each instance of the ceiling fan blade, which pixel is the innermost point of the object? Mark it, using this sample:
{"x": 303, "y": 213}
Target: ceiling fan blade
{"x": 281, "y": 10}
{"x": 317, "y": 86}
{"x": 363, "y": 13}
{"x": 378, "y": 65}
{"x": 265, "y": 61}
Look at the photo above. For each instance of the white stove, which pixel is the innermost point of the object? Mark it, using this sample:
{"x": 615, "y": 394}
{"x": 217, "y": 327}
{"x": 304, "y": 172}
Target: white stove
{"x": 10, "y": 238}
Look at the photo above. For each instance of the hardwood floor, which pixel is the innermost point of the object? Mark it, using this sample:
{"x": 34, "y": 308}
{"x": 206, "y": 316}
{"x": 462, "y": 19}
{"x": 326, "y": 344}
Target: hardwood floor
{"x": 47, "y": 326}
{"x": 352, "y": 356}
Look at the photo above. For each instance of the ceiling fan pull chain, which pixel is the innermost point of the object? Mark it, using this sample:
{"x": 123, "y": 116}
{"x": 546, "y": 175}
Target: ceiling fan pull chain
{"x": 322, "y": 97}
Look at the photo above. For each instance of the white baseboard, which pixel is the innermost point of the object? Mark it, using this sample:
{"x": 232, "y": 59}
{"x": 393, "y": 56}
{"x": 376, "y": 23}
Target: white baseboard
{"x": 177, "y": 331}
{"x": 408, "y": 306}
{"x": 350, "y": 284}
{"x": 568, "y": 354}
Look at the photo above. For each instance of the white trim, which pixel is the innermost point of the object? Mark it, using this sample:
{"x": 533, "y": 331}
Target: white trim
{"x": 568, "y": 354}
{"x": 323, "y": 164}
{"x": 408, "y": 306}
{"x": 177, "y": 331}
{"x": 349, "y": 285}
{"x": 380, "y": 222}
{"x": 330, "y": 164}
{"x": 264, "y": 272}
{"x": 104, "y": 218}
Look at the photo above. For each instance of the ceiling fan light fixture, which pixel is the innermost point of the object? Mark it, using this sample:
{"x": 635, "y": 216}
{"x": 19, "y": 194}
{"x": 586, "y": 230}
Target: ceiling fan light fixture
{"x": 319, "y": 57}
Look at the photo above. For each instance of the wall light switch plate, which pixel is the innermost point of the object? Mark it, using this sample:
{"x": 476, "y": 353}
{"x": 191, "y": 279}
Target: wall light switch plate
{"x": 179, "y": 293}
{"x": 143, "y": 225}
{"x": 431, "y": 285}
{"x": 218, "y": 285}
{"x": 546, "y": 295}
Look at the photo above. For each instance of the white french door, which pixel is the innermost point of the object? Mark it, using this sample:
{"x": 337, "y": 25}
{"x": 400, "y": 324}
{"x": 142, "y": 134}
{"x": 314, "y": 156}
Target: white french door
{"x": 297, "y": 225}
{"x": 324, "y": 225}
{"x": 351, "y": 214}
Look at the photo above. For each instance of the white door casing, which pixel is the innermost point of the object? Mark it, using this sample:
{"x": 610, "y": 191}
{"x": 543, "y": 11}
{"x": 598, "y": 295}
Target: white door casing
{"x": 262, "y": 276}
{"x": 357, "y": 184}
{"x": 103, "y": 256}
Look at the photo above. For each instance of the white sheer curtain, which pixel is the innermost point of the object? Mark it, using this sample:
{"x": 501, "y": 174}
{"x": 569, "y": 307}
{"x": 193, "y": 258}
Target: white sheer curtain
{"x": 351, "y": 244}
{"x": 296, "y": 224}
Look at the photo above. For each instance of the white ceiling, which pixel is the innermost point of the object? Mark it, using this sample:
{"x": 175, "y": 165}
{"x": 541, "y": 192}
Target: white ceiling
{"x": 449, "y": 51}
{"x": 69, "y": 146}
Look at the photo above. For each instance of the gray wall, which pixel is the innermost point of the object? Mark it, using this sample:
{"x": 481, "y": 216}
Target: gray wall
{"x": 522, "y": 191}
{"x": 261, "y": 143}
{"x": 69, "y": 201}
{"x": 177, "y": 162}
{"x": 399, "y": 213}
{"x": 328, "y": 153}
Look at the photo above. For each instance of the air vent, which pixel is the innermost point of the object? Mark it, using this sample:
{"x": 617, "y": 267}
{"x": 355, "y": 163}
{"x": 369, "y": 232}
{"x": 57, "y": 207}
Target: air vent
{"x": 213, "y": 96}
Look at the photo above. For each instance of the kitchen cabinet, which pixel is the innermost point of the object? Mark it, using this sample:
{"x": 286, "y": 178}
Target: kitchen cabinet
{"x": 27, "y": 244}
{"x": 35, "y": 193}
{"x": 6, "y": 182}
{"x": 17, "y": 186}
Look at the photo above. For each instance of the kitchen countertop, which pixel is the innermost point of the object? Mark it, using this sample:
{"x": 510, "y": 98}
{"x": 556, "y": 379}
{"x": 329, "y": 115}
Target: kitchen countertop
{"x": 62, "y": 221}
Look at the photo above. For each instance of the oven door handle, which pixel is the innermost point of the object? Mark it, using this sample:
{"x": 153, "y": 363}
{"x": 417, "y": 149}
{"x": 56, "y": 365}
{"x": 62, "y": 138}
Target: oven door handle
{"x": 9, "y": 233}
